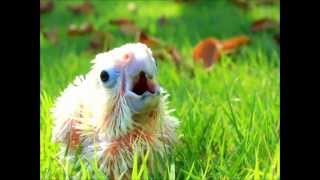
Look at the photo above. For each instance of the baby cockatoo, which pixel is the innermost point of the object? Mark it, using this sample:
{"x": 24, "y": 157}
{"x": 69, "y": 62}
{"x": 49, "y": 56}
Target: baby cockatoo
{"x": 115, "y": 110}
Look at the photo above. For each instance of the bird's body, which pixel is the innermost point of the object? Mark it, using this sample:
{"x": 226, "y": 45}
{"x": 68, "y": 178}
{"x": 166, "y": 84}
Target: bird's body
{"x": 116, "y": 110}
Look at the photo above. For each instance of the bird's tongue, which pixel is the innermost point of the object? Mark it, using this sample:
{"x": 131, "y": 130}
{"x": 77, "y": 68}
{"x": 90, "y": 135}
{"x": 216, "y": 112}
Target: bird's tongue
{"x": 143, "y": 84}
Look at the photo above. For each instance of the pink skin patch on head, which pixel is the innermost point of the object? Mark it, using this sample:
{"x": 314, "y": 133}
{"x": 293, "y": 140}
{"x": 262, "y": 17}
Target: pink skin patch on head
{"x": 125, "y": 60}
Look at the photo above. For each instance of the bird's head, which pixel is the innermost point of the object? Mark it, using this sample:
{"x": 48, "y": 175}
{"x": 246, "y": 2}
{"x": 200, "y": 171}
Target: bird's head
{"x": 126, "y": 78}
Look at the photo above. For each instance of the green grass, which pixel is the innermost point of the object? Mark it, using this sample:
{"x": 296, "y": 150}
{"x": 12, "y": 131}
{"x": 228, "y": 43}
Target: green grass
{"x": 229, "y": 116}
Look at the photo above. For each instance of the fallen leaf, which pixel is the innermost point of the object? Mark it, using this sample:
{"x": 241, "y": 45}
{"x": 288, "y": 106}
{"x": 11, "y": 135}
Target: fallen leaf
{"x": 175, "y": 55}
{"x": 84, "y": 8}
{"x": 121, "y": 21}
{"x": 231, "y": 44}
{"x": 86, "y": 28}
{"x": 132, "y": 7}
{"x": 126, "y": 26}
{"x": 46, "y": 7}
{"x": 52, "y": 35}
{"x": 129, "y": 29}
{"x": 100, "y": 41}
{"x": 264, "y": 24}
{"x": 151, "y": 42}
{"x": 209, "y": 50}
{"x": 243, "y": 4}
{"x": 73, "y": 30}
{"x": 97, "y": 41}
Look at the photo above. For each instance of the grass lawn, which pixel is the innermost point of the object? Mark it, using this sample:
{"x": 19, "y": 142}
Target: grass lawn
{"x": 230, "y": 116}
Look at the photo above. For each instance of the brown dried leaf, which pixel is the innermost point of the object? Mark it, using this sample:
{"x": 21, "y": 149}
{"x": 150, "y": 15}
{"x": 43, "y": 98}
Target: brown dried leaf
{"x": 84, "y": 8}
{"x": 121, "y": 21}
{"x": 243, "y": 4}
{"x": 86, "y": 28}
{"x": 175, "y": 55}
{"x": 151, "y": 42}
{"x": 210, "y": 49}
{"x": 52, "y": 36}
{"x": 97, "y": 41}
{"x": 100, "y": 41}
{"x": 73, "y": 30}
{"x": 264, "y": 24}
{"x": 231, "y": 44}
{"x": 129, "y": 29}
{"x": 46, "y": 7}
{"x": 126, "y": 26}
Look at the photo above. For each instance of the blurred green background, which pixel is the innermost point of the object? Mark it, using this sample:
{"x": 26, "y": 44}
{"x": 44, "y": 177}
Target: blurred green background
{"x": 229, "y": 115}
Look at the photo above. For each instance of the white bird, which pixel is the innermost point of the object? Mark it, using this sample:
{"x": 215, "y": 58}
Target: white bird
{"x": 115, "y": 110}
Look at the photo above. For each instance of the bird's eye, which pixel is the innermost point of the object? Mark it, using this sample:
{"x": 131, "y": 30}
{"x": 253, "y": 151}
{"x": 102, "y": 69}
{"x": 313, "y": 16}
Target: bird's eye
{"x": 104, "y": 76}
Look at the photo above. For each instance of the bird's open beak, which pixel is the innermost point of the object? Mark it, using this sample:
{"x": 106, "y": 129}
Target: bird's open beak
{"x": 143, "y": 92}
{"x": 144, "y": 83}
